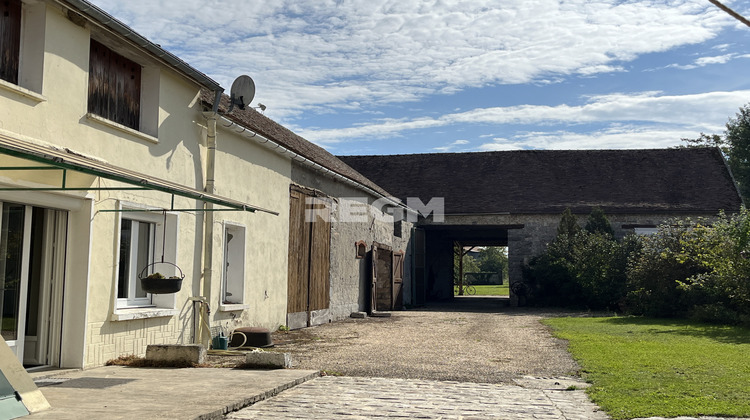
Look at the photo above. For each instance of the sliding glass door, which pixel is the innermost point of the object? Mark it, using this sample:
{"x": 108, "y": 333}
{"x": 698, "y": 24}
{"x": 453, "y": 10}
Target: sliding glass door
{"x": 32, "y": 258}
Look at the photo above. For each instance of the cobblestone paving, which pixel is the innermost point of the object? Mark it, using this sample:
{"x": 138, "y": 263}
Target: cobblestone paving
{"x": 367, "y": 398}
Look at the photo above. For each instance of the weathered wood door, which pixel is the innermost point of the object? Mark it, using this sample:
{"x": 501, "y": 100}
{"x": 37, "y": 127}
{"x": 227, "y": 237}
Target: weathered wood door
{"x": 382, "y": 278}
{"x": 308, "y": 290}
{"x": 398, "y": 280}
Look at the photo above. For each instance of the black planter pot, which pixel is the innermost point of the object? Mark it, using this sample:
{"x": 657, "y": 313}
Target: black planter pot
{"x": 161, "y": 286}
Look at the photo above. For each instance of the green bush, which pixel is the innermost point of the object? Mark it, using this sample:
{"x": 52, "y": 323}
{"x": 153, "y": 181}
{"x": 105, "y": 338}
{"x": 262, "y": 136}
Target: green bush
{"x": 657, "y": 271}
{"x": 581, "y": 268}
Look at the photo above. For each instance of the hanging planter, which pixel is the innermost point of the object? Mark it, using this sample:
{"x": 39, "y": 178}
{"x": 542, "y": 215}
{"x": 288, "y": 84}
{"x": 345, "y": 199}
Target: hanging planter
{"x": 156, "y": 283}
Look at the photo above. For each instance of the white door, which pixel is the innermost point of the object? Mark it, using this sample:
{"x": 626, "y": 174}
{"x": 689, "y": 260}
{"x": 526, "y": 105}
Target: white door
{"x": 15, "y": 234}
{"x": 32, "y": 254}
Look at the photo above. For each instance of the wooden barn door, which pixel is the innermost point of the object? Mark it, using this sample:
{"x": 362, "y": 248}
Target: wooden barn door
{"x": 308, "y": 292}
{"x": 381, "y": 292}
{"x": 398, "y": 280}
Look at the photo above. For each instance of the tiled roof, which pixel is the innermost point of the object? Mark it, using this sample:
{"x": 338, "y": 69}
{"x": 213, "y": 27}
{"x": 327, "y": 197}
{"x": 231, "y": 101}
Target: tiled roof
{"x": 548, "y": 181}
{"x": 255, "y": 121}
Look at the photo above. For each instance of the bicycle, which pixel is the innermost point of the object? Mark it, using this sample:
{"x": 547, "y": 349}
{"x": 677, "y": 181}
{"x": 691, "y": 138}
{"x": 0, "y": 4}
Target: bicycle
{"x": 468, "y": 290}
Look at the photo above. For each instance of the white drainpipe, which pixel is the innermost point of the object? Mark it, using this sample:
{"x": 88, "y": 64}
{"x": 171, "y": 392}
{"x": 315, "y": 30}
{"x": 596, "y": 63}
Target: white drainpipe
{"x": 208, "y": 233}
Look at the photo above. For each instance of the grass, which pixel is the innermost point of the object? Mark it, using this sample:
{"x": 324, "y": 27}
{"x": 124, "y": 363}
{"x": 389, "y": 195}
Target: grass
{"x": 641, "y": 367}
{"x": 492, "y": 290}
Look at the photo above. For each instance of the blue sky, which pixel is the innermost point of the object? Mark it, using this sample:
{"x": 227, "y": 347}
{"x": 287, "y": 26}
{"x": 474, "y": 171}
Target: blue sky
{"x": 407, "y": 76}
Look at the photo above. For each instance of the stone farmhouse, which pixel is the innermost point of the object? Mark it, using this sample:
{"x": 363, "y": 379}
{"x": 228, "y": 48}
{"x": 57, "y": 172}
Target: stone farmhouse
{"x": 118, "y": 161}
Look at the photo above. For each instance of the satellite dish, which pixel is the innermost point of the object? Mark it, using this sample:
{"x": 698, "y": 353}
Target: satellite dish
{"x": 242, "y": 92}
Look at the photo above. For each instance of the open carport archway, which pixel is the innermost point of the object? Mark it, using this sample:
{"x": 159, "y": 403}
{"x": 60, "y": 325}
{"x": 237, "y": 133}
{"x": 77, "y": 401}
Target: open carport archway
{"x": 439, "y": 241}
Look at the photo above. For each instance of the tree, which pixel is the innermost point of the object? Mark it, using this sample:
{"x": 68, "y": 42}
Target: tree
{"x": 568, "y": 224}
{"x": 492, "y": 259}
{"x": 598, "y": 223}
{"x": 469, "y": 266}
{"x": 737, "y": 137}
{"x": 735, "y": 145}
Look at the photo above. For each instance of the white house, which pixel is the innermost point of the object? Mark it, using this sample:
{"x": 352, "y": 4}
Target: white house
{"x": 115, "y": 163}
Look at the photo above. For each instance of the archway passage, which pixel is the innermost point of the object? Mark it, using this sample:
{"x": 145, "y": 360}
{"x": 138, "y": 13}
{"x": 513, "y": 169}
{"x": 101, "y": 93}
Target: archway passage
{"x": 439, "y": 250}
{"x": 480, "y": 270}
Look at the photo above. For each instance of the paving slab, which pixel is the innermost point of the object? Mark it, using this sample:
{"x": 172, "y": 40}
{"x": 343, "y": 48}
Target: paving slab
{"x": 118, "y": 392}
{"x": 372, "y": 398}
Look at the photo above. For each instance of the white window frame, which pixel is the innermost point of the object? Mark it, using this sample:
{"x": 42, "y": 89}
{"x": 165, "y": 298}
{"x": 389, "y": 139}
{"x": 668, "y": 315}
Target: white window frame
{"x": 233, "y": 267}
{"x": 130, "y": 299}
{"x": 157, "y": 305}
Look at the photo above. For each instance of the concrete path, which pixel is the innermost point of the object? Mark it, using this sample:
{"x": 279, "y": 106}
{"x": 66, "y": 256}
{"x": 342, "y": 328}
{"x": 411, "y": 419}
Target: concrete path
{"x": 372, "y": 398}
{"x": 117, "y": 392}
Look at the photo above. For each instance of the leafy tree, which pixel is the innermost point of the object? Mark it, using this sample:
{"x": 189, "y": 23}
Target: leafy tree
{"x": 492, "y": 259}
{"x": 598, "y": 223}
{"x": 470, "y": 264}
{"x": 737, "y": 137}
{"x": 735, "y": 145}
{"x": 568, "y": 224}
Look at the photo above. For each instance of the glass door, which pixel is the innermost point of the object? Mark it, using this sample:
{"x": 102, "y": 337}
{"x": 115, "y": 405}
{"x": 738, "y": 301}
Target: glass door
{"x": 15, "y": 224}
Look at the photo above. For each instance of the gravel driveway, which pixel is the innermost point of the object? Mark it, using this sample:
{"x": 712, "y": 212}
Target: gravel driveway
{"x": 471, "y": 339}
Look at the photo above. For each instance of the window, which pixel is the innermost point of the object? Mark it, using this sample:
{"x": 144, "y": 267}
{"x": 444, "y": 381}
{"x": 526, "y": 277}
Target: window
{"x": 114, "y": 86}
{"x": 147, "y": 240}
{"x": 137, "y": 243}
{"x": 233, "y": 284}
{"x": 10, "y": 39}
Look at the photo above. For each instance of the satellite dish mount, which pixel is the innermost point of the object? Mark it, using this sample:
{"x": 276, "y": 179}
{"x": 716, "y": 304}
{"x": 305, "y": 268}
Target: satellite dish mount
{"x": 242, "y": 92}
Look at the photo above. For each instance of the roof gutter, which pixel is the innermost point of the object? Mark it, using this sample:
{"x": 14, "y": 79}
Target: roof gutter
{"x": 105, "y": 20}
{"x": 272, "y": 145}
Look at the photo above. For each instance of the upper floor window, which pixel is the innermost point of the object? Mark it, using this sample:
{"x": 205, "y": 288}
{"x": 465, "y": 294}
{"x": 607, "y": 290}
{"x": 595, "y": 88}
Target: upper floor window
{"x": 114, "y": 86}
{"x": 10, "y": 39}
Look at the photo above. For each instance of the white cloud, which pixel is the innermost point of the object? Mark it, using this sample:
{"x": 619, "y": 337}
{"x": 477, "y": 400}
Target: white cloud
{"x": 613, "y": 137}
{"x": 705, "y": 112}
{"x": 312, "y": 55}
{"x": 451, "y": 147}
{"x": 705, "y": 61}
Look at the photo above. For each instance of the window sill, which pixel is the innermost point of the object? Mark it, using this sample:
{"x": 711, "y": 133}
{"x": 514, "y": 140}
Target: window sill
{"x": 120, "y": 127}
{"x": 141, "y": 313}
{"x": 228, "y": 307}
{"x": 22, "y": 91}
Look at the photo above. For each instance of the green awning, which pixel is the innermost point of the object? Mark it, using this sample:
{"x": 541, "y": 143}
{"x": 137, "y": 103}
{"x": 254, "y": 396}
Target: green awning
{"x": 66, "y": 159}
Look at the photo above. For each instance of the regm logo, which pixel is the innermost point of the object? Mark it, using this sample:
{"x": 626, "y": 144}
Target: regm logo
{"x": 385, "y": 209}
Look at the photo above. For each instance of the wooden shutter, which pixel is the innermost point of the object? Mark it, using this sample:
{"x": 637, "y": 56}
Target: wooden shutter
{"x": 320, "y": 255}
{"x": 299, "y": 257}
{"x": 10, "y": 39}
{"x": 114, "y": 86}
{"x": 374, "y": 279}
{"x": 398, "y": 279}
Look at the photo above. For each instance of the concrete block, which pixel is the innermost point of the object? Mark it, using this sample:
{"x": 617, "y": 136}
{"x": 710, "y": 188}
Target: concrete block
{"x": 268, "y": 359}
{"x": 359, "y": 315}
{"x": 190, "y": 353}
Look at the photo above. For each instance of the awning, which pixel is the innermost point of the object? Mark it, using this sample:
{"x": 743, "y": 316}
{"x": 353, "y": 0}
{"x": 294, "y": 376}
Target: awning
{"x": 65, "y": 159}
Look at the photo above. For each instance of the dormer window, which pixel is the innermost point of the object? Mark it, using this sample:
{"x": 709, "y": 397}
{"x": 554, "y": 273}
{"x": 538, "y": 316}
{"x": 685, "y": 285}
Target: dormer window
{"x": 10, "y": 39}
{"x": 114, "y": 86}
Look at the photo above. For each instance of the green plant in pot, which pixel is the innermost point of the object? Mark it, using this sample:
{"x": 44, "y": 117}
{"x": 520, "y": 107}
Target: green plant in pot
{"x": 157, "y": 283}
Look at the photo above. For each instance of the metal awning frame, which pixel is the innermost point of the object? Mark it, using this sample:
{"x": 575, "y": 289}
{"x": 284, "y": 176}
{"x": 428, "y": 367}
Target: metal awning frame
{"x": 70, "y": 161}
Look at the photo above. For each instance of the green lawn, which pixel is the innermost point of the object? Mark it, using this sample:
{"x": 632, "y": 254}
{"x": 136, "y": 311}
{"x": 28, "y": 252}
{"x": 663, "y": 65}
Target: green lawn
{"x": 489, "y": 290}
{"x": 492, "y": 290}
{"x": 641, "y": 367}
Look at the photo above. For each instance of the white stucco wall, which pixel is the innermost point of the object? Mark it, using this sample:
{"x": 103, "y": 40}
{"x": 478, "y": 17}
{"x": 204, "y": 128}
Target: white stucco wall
{"x": 95, "y": 331}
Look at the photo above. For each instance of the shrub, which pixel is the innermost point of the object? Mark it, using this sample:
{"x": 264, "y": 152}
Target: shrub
{"x": 659, "y": 268}
{"x": 581, "y": 268}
